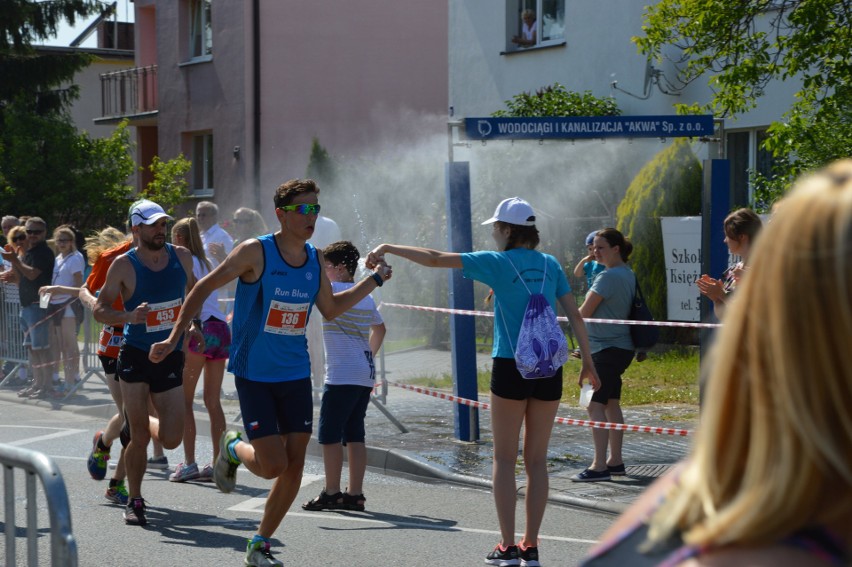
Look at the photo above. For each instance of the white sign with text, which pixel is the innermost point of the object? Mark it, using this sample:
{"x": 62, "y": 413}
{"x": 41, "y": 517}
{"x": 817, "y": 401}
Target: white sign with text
{"x": 682, "y": 245}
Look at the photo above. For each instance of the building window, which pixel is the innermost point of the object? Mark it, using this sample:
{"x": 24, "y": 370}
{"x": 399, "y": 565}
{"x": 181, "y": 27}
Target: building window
{"x": 200, "y": 30}
{"x": 201, "y": 174}
{"x": 743, "y": 149}
{"x": 535, "y": 23}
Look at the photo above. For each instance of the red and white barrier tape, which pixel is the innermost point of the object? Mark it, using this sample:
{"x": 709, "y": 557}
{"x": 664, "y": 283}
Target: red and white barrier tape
{"x": 561, "y": 420}
{"x": 48, "y": 317}
{"x": 563, "y": 319}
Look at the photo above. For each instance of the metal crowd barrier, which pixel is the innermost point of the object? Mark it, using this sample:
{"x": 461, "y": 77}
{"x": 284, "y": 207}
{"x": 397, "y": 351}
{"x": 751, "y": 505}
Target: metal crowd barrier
{"x": 12, "y": 349}
{"x": 15, "y": 355}
{"x": 63, "y": 546}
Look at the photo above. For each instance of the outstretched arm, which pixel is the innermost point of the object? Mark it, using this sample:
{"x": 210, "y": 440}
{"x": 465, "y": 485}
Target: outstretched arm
{"x": 333, "y": 304}
{"x": 423, "y": 256}
{"x": 241, "y": 261}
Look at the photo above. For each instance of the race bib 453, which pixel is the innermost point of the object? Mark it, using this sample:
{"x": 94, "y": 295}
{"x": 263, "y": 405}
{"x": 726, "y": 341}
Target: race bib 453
{"x": 162, "y": 316}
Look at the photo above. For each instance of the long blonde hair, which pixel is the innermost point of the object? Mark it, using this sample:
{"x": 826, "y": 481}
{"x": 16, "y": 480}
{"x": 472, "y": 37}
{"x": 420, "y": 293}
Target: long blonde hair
{"x": 99, "y": 242}
{"x": 188, "y": 229}
{"x": 772, "y": 453}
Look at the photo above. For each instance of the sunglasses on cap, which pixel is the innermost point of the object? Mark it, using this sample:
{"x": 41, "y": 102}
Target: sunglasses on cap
{"x": 303, "y": 209}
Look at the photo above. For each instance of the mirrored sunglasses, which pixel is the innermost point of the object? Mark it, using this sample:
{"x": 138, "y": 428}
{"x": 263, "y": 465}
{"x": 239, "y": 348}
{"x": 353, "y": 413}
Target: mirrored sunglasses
{"x": 303, "y": 209}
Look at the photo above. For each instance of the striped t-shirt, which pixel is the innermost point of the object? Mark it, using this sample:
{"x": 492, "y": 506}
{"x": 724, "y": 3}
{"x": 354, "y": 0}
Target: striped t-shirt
{"x": 348, "y": 359}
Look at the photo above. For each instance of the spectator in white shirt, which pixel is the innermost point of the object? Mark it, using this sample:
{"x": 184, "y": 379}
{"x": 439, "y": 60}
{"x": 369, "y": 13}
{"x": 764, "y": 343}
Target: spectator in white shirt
{"x": 326, "y": 231}
{"x": 217, "y": 242}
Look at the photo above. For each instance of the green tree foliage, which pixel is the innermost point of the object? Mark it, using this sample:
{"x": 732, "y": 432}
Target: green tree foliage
{"x": 321, "y": 167}
{"x": 169, "y": 187}
{"x": 47, "y": 168}
{"x": 38, "y": 74}
{"x": 556, "y": 100}
{"x": 669, "y": 185}
{"x": 741, "y": 46}
{"x": 50, "y": 170}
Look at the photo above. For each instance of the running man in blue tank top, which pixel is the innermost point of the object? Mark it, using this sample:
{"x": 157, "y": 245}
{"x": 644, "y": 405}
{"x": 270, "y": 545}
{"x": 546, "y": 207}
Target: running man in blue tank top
{"x": 280, "y": 277}
{"x": 151, "y": 279}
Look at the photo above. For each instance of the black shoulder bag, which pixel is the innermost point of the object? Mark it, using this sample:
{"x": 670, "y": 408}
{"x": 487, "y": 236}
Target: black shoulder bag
{"x": 643, "y": 336}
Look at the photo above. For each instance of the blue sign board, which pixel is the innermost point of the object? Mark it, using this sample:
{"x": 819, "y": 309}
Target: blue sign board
{"x": 560, "y": 128}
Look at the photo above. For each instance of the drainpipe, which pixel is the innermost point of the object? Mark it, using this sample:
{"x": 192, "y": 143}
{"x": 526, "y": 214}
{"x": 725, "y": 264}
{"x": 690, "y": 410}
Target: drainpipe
{"x": 255, "y": 24}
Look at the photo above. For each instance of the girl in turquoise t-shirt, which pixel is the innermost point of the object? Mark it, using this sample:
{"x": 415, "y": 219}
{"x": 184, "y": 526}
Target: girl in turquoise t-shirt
{"x": 515, "y": 401}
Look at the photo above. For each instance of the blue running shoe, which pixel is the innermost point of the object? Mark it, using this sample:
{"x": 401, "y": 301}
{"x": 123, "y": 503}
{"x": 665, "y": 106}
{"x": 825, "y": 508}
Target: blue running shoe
{"x": 97, "y": 461}
{"x": 117, "y": 494}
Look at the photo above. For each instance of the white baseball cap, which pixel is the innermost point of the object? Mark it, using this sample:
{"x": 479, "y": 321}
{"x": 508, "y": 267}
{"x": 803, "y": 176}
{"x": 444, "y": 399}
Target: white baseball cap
{"x": 513, "y": 210}
{"x": 146, "y": 212}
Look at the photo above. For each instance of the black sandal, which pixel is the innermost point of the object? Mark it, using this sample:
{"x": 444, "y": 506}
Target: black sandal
{"x": 324, "y": 501}
{"x": 353, "y": 502}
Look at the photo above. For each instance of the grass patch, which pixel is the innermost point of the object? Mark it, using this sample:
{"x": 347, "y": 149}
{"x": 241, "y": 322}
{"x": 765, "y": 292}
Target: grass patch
{"x": 665, "y": 378}
{"x": 401, "y": 344}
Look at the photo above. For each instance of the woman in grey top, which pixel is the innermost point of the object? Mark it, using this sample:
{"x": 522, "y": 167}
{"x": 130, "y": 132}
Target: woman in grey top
{"x": 612, "y": 349}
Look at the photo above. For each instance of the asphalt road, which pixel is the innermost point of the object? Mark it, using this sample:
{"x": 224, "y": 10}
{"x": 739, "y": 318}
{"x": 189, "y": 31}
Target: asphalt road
{"x": 408, "y": 522}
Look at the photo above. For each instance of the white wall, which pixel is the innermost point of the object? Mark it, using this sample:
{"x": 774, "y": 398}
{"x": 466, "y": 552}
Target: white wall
{"x": 599, "y": 50}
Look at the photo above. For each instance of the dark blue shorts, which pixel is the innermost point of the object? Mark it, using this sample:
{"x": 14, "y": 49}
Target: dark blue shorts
{"x": 610, "y": 364}
{"x": 508, "y": 383}
{"x": 342, "y": 413}
{"x": 275, "y": 408}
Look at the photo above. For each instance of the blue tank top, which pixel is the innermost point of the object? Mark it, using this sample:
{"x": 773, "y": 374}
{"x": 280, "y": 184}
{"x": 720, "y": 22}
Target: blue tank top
{"x": 163, "y": 291}
{"x": 271, "y": 316}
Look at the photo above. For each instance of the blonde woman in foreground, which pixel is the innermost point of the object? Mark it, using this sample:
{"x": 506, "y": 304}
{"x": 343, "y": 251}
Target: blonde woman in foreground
{"x": 769, "y": 479}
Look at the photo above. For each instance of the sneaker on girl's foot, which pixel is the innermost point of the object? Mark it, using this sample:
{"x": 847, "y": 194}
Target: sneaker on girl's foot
{"x": 503, "y": 556}
{"x": 134, "y": 513}
{"x": 184, "y": 472}
{"x": 259, "y": 555}
{"x": 529, "y": 556}
{"x": 117, "y": 494}
{"x": 206, "y": 474}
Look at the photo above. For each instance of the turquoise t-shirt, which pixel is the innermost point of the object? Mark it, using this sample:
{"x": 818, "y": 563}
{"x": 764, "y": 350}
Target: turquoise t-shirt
{"x": 494, "y": 270}
{"x": 591, "y": 270}
{"x": 617, "y": 287}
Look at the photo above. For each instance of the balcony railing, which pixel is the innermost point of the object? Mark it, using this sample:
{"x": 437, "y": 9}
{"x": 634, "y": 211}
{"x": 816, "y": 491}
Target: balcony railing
{"x": 130, "y": 92}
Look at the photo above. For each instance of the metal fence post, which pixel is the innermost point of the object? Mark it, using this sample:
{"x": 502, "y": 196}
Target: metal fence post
{"x": 63, "y": 546}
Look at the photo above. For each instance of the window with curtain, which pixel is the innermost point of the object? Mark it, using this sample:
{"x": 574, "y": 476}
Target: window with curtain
{"x": 200, "y": 33}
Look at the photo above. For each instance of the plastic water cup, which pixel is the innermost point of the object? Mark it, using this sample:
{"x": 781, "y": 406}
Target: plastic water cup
{"x": 44, "y": 300}
{"x": 586, "y": 393}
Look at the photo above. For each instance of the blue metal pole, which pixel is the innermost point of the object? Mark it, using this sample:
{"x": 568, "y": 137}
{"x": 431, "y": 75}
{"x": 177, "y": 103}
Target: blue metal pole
{"x": 462, "y": 327}
{"x": 715, "y": 206}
